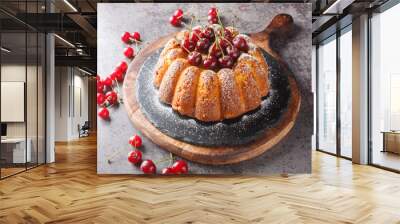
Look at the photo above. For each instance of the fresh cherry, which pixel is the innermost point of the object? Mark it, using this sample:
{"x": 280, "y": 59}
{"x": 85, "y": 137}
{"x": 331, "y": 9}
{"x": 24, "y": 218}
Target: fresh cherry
{"x": 167, "y": 171}
{"x": 107, "y": 82}
{"x": 117, "y": 75}
{"x": 175, "y": 21}
{"x": 228, "y": 34}
{"x": 126, "y": 37}
{"x": 195, "y": 58}
{"x": 223, "y": 43}
{"x": 212, "y": 19}
{"x": 240, "y": 43}
{"x": 148, "y": 167}
{"x": 123, "y": 66}
{"x": 202, "y": 45}
{"x": 112, "y": 97}
{"x": 129, "y": 52}
{"x": 210, "y": 62}
{"x": 213, "y": 11}
{"x": 214, "y": 50}
{"x": 188, "y": 44}
{"x": 178, "y": 13}
{"x": 100, "y": 98}
{"x": 136, "y": 36}
{"x": 226, "y": 61}
{"x": 100, "y": 86}
{"x": 135, "y": 156}
{"x": 208, "y": 33}
{"x": 135, "y": 141}
{"x": 233, "y": 52}
{"x": 104, "y": 113}
{"x": 180, "y": 167}
{"x": 195, "y": 34}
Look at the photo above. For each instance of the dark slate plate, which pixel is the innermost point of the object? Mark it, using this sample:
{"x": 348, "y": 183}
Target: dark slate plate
{"x": 232, "y": 132}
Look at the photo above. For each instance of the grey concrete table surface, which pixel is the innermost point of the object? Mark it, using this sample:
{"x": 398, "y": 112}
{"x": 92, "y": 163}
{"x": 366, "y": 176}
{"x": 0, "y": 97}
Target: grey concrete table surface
{"x": 292, "y": 155}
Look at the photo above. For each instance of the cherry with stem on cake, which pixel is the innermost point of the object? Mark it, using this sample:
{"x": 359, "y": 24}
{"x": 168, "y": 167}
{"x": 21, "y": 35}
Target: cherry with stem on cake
{"x": 233, "y": 52}
{"x": 135, "y": 141}
{"x": 202, "y": 45}
{"x": 214, "y": 50}
{"x": 104, "y": 113}
{"x": 240, "y": 43}
{"x": 135, "y": 156}
{"x": 211, "y": 62}
{"x": 208, "y": 33}
{"x": 226, "y": 61}
{"x": 188, "y": 45}
{"x": 194, "y": 58}
{"x": 148, "y": 167}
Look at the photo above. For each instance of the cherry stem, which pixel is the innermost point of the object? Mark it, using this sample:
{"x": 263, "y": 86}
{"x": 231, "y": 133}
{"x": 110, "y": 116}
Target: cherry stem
{"x": 219, "y": 46}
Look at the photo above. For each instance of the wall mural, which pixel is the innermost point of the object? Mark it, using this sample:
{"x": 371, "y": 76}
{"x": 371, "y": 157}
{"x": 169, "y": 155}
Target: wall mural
{"x": 204, "y": 88}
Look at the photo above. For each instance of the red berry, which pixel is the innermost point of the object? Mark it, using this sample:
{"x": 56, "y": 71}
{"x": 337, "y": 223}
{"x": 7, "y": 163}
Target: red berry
{"x": 213, "y": 11}
{"x": 228, "y": 34}
{"x": 212, "y": 20}
{"x": 135, "y": 141}
{"x": 240, "y": 43}
{"x": 123, "y": 66}
{"x": 104, "y": 113}
{"x": 226, "y": 61}
{"x": 210, "y": 62}
{"x": 214, "y": 50}
{"x": 126, "y": 37}
{"x": 135, "y": 156}
{"x": 136, "y": 36}
{"x": 100, "y": 86}
{"x": 129, "y": 52}
{"x": 208, "y": 33}
{"x": 167, "y": 171}
{"x": 112, "y": 97}
{"x": 195, "y": 34}
{"x": 108, "y": 82}
{"x": 223, "y": 43}
{"x": 178, "y": 13}
{"x": 188, "y": 44}
{"x": 195, "y": 58}
{"x": 180, "y": 167}
{"x": 202, "y": 45}
{"x": 148, "y": 167}
{"x": 100, "y": 98}
{"x": 117, "y": 75}
{"x": 233, "y": 52}
{"x": 175, "y": 21}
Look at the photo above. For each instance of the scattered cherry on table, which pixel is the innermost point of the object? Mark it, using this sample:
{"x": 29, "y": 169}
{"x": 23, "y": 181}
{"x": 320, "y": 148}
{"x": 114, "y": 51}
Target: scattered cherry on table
{"x": 148, "y": 167}
{"x": 135, "y": 156}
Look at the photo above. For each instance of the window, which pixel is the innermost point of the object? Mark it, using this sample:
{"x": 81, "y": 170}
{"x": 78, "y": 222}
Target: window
{"x": 327, "y": 96}
{"x": 385, "y": 89}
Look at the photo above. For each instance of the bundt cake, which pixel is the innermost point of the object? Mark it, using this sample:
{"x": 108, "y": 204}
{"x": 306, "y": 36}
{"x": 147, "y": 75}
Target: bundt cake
{"x": 211, "y": 73}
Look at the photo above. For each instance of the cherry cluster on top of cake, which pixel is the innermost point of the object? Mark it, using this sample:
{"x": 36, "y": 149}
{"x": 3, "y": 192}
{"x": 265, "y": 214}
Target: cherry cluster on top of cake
{"x": 211, "y": 46}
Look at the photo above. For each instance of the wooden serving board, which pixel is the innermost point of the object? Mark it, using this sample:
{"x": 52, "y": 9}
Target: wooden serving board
{"x": 280, "y": 27}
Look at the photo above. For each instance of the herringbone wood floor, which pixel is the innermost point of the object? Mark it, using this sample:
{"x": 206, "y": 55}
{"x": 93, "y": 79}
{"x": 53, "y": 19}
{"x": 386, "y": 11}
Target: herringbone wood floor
{"x": 69, "y": 191}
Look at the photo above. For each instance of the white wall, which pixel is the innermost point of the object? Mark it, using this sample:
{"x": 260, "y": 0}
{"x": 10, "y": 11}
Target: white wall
{"x": 71, "y": 102}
